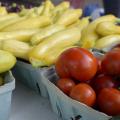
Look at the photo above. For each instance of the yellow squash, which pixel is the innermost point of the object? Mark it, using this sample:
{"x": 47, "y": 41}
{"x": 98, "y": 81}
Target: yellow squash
{"x": 3, "y": 11}
{"x": 84, "y": 22}
{"x": 5, "y": 23}
{"x": 75, "y": 24}
{"x": 61, "y": 7}
{"x": 8, "y": 16}
{"x": 107, "y": 42}
{"x": 81, "y": 23}
{"x": 53, "y": 55}
{"x": 89, "y": 35}
{"x": 7, "y": 61}
{"x": 59, "y": 10}
{"x": 108, "y": 28}
{"x": 62, "y": 39}
{"x": 48, "y": 6}
{"x": 26, "y": 12}
{"x": 21, "y": 35}
{"x": 17, "y": 48}
{"x": 69, "y": 16}
{"x": 33, "y": 11}
{"x": 45, "y": 32}
{"x": 38, "y": 10}
{"x": 29, "y": 23}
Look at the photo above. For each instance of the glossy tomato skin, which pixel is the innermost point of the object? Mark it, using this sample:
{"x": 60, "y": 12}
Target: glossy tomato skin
{"x": 109, "y": 101}
{"x": 99, "y": 66}
{"x": 99, "y": 70}
{"x": 77, "y": 63}
{"x": 103, "y": 81}
{"x": 83, "y": 93}
{"x": 111, "y": 62}
{"x": 61, "y": 68}
{"x": 65, "y": 85}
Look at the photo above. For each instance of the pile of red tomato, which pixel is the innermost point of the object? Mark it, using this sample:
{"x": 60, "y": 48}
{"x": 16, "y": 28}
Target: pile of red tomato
{"x": 90, "y": 80}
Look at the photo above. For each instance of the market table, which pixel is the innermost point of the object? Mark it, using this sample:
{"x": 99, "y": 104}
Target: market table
{"x": 27, "y": 105}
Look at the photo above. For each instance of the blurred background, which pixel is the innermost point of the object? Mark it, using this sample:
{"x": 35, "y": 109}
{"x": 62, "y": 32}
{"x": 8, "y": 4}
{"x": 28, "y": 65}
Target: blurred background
{"x": 95, "y": 8}
{"x": 82, "y": 3}
{"x": 109, "y": 6}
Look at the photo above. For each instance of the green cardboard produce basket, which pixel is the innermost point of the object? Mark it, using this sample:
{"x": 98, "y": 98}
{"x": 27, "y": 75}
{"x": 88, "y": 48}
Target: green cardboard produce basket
{"x": 30, "y": 76}
{"x": 6, "y": 95}
{"x": 65, "y": 107}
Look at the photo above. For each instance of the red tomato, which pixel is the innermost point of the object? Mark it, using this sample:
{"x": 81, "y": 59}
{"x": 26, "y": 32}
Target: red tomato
{"x": 109, "y": 101}
{"x": 62, "y": 69}
{"x": 99, "y": 71}
{"x": 99, "y": 65}
{"x": 103, "y": 81}
{"x": 83, "y": 93}
{"x": 111, "y": 62}
{"x": 77, "y": 63}
{"x": 88, "y": 82}
{"x": 65, "y": 85}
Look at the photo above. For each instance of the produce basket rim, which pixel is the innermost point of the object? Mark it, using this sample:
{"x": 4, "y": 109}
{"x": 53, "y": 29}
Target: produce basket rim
{"x": 29, "y": 66}
{"x": 9, "y": 86}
